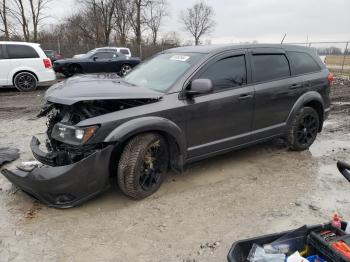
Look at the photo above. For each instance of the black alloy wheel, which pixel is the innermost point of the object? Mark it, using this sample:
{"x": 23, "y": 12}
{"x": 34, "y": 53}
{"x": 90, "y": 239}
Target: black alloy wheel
{"x": 143, "y": 165}
{"x": 303, "y": 130}
{"x": 307, "y": 130}
{"x": 25, "y": 82}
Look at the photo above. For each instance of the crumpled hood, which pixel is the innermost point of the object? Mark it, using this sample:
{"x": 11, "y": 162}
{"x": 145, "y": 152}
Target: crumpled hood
{"x": 96, "y": 87}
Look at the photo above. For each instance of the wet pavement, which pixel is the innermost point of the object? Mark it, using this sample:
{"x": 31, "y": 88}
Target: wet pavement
{"x": 195, "y": 216}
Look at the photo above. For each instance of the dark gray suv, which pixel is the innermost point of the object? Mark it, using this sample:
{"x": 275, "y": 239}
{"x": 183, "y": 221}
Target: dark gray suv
{"x": 182, "y": 105}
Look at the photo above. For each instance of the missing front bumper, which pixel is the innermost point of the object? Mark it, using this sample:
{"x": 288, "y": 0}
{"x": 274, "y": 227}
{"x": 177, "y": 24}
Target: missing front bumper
{"x": 65, "y": 186}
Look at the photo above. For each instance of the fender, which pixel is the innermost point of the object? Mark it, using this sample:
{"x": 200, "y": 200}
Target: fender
{"x": 144, "y": 124}
{"x": 20, "y": 69}
{"x": 304, "y": 99}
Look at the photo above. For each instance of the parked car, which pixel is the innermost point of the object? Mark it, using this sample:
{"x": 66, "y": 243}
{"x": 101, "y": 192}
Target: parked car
{"x": 124, "y": 50}
{"x": 24, "y": 65}
{"x": 53, "y": 55}
{"x": 181, "y": 106}
{"x": 96, "y": 62}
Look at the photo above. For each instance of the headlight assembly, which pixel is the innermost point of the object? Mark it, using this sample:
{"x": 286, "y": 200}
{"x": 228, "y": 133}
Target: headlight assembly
{"x": 73, "y": 135}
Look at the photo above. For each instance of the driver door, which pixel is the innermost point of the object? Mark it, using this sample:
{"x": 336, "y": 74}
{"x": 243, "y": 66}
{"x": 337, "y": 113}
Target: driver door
{"x": 222, "y": 119}
{"x": 100, "y": 62}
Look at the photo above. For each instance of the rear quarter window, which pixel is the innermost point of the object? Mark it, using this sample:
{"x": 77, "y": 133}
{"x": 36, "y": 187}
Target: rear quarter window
{"x": 1, "y": 53}
{"x": 21, "y": 52}
{"x": 124, "y": 51}
{"x": 302, "y": 63}
{"x": 268, "y": 67}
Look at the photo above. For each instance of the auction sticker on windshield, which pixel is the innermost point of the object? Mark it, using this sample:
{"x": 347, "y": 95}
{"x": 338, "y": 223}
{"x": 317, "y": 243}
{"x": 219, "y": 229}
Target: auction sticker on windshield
{"x": 181, "y": 58}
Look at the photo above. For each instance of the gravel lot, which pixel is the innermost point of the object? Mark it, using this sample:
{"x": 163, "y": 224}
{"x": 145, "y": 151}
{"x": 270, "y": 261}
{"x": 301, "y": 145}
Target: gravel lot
{"x": 195, "y": 216}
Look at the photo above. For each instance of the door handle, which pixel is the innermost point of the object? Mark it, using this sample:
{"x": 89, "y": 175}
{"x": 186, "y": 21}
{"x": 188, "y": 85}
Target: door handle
{"x": 245, "y": 97}
{"x": 295, "y": 86}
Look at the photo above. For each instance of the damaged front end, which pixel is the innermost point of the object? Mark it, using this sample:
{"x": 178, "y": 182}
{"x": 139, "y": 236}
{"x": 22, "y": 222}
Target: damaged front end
{"x": 71, "y": 168}
{"x": 68, "y": 143}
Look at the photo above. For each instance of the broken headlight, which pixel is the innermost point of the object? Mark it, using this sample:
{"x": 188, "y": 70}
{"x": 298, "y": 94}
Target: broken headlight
{"x": 73, "y": 135}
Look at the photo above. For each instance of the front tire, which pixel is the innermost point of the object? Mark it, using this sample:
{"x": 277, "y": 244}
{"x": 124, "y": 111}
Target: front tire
{"x": 25, "y": 82}
{"x": 304, "y": 129}
{"x": 143, "y": 165}
{"x": 72, "y": 70}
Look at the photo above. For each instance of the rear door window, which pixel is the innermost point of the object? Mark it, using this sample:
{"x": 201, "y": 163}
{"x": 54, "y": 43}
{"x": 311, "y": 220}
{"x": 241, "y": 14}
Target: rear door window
{"x": 228, "y": 72}
{"x": 124, "y": 51}
{"x": 302, "y": 63}
{"x": 268, "y": 67}
{"x": 21, "y": 52}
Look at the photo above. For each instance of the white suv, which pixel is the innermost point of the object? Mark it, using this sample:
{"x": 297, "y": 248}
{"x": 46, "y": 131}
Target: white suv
{"x": 24, "y": 65}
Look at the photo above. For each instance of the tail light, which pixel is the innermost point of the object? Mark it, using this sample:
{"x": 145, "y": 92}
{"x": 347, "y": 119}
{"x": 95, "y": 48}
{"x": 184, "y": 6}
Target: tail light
{"x": 47, "y": 63}
{"x": 330, "y": 79}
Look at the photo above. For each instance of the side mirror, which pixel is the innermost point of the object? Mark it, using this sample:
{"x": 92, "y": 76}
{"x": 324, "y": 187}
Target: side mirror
{"x": 94, "y": 58}
{"x": 344, "y": 169}
{"x": 199, "y": 87}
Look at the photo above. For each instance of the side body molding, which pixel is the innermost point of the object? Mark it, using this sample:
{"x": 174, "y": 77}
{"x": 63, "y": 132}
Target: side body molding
{"x": 303, "y": 100}
{"x": 176, "y": 137}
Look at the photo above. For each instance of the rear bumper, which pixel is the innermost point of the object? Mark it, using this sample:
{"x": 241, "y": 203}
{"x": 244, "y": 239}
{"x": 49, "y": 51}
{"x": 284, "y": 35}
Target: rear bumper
{"x": 46, "y": 76}
{"x": 65, "y": 186}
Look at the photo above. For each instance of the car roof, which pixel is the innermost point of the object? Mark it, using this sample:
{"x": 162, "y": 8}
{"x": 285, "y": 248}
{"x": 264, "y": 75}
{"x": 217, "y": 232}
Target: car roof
{"x": 105, "y": 51}
{"x": 207, "y": 49}
{"x": 18, "y": 43}
{"x": 111, "y": 47}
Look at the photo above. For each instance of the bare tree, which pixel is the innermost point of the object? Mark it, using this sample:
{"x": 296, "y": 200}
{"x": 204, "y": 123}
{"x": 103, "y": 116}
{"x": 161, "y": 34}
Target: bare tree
{"x": 106, "y": 9}
{"x": 20, "y": 15}
{"x": 198, "y": 20}
{"x": 4, "y": 19}
{"x": 96, "y": 19}
{"x": 121, "y": 20}
{"x": 155, "y": 13}
{"x": 137, "y": 20}
{"x": 28, "y": 12}
{"x": 37, "y": 8}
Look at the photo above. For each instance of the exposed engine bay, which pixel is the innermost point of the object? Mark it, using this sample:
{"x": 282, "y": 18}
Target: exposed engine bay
{"x": 61, "y": 153}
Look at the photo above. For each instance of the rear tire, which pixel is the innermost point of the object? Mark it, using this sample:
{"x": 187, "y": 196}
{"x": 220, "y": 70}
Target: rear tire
{"x": 143, "y": 165}
{"x": 304, "y": 129}
{"x": 125, "y": 69}
{"x": 25, "y": 82}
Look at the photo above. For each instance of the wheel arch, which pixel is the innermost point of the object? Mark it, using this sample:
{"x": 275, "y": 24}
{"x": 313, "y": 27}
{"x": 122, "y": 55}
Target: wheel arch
{"x": 77, "y": 65}
{"x": 24, "y": 71}
{"x": 168, "y": 129}
{"x": 310, "y": 99}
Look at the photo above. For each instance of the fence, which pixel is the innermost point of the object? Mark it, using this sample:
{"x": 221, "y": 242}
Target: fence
{"x": 335, "y": 54}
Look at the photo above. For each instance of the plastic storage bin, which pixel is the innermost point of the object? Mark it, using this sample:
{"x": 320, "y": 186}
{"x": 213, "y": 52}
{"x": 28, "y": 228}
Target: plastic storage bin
{"x": 240, "y": 249}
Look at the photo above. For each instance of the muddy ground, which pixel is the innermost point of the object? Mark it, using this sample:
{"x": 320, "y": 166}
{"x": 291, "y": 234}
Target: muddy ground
{"x": 195, "y": 216}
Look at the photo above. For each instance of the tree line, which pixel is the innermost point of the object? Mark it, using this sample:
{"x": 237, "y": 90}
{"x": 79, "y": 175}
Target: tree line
{"x": 133, "y": 23}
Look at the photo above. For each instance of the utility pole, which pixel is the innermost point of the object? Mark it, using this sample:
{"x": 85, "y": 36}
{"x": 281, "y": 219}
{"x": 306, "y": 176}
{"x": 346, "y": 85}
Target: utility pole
{"x": 284, "y": 37}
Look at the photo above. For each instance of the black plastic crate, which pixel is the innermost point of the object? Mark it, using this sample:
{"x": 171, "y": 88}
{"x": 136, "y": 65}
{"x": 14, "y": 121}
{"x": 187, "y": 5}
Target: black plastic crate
{"x": 323, "y": 247}
{"x": 240, "y": 249}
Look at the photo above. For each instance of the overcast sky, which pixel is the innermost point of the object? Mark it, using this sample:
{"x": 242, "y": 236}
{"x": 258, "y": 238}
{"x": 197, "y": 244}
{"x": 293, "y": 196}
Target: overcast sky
{"x": 262, "y": 20}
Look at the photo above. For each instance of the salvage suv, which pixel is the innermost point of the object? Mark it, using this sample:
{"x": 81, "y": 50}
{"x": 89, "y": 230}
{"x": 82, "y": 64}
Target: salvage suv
{"x": 182, "y": 105}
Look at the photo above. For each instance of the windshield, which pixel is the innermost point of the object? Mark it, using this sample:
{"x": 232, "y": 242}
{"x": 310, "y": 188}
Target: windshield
{"x": 162, "y": 71}
{"x": 87, "y": 55}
